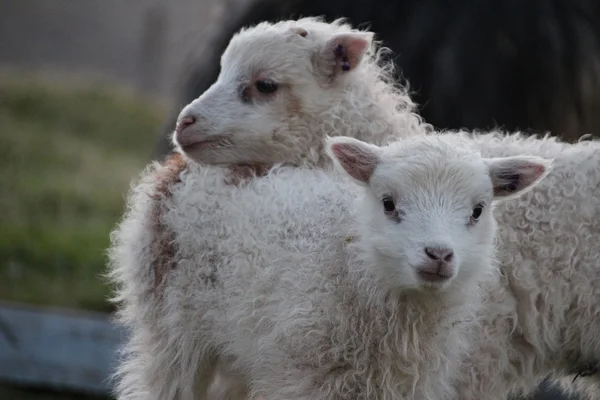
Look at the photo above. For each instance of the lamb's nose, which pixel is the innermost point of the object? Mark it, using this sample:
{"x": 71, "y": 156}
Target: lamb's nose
{"x": 439, "y": 253}
{"x": 184, "y": 123}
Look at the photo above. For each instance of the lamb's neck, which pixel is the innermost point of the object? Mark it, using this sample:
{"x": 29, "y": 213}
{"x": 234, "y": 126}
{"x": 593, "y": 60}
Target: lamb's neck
{"x": 421, "y": 319}
{"x": 450, "y": 302}
{"x": 426, "y": 308}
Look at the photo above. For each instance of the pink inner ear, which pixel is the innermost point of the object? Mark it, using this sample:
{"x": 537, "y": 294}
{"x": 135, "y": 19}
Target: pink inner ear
{"x": 539, "y": 169}
{"x": 511, "y": 178}
{"x": 357, "y": 46}
{"x": 352, "y": 48}
{"x": 529, "y": 172}
{"x": 358, "y": 163}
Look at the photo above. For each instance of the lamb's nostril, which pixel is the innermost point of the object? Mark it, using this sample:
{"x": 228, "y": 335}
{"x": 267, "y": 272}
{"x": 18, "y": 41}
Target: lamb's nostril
{"x": 184, "y": 123}
{"x": 430, "y": 253}
{"x": 449, "y": 256}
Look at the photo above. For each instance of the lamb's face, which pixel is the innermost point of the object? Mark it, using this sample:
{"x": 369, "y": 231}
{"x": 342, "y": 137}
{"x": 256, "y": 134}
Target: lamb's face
{"x": 275, "y": 81}
{"x": 430, "y": 224}
{"x": 426, "y": 213}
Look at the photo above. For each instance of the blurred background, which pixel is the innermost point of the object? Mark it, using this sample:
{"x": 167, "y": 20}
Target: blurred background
{"x": 90, "y": 88}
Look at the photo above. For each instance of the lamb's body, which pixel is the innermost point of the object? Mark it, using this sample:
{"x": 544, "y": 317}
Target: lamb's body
{"x": 286, "y": 286}
{"x": 282, "y": 296}
{"x": 542, "y": 318}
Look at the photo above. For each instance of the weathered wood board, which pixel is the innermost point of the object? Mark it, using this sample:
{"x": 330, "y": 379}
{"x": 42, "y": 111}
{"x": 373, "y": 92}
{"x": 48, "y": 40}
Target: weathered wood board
{"x": 56, "y": 348}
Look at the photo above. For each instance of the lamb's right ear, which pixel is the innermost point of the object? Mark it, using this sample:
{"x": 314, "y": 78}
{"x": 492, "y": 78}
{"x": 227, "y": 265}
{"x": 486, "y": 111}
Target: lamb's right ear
{"x": 512, "y": 176}
{"x": 342, "y": 53}
{"x": 358, "y": 159}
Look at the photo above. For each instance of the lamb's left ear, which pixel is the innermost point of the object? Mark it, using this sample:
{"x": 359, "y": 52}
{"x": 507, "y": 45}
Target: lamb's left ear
{"x": 513, "y": 176}
{"x": 342, "y": 53}
{"x": 358, "y": 159}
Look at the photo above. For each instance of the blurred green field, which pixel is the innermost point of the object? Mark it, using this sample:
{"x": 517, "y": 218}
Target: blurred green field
{"x": 67, "y": 156}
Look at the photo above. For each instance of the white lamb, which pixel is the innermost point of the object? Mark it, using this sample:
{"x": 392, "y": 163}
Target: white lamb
{"x": 283, "y": 87}
{"x": 301, "y": 296}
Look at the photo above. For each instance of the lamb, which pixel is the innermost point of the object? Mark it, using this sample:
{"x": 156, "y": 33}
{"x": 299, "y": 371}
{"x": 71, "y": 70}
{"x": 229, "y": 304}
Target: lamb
{"x": 283, "y": 87}
{"x": 301, "y": 295}
{"x": 322, "y": 79}
{"x": 540, "y": 318}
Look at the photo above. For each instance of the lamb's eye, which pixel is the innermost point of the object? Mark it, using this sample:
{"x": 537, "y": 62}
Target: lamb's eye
{"x": 477, "y": 212}
{"x": 266, "y": 86}
{"x": 388, "y": 204}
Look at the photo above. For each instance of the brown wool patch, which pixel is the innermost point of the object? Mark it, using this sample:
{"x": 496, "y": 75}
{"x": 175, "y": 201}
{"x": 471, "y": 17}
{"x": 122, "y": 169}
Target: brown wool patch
{"x": 163, "y": 247}
{"x": 241, "y": 173}
{"x": 294, "y": 105}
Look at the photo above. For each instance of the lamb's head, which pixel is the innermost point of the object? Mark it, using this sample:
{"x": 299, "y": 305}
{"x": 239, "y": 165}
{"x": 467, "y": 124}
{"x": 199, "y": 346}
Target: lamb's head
{"x": 276, "y": 82}
{"x": 426, "y": 214}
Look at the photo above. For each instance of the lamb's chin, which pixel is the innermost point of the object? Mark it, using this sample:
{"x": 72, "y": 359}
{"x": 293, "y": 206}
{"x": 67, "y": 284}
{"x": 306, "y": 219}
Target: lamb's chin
{"x": 436, "y": 285}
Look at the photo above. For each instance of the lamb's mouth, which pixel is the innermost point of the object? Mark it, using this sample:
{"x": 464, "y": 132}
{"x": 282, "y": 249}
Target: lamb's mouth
{"x": 434, "y": 281}
{"x": 208, "y": 143}
{"x": 430, "y": 277}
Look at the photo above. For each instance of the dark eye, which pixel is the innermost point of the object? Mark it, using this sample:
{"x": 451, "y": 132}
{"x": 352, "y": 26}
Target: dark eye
{"x": 477, "y": 212}
{"x": 388, "y": 204}
{"x": 266, "y": 86}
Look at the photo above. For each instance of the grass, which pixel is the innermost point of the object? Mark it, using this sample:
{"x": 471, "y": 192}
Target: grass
{"x": 67, "y": 156}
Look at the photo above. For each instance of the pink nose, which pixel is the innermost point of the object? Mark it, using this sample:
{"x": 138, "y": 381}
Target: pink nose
{"x": 184, "y": 123}
{"x": 438, "y": 266}
{"x": 439, "y": 253}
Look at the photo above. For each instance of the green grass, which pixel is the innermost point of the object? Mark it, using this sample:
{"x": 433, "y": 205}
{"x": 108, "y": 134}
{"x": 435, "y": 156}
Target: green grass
{"x": 67, "y": 156}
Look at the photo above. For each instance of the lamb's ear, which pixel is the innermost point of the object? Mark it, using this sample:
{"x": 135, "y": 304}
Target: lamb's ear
{"x": 513, "y": 176}
{"x": 358, "y": 159}
{"x": 342, "y": 53}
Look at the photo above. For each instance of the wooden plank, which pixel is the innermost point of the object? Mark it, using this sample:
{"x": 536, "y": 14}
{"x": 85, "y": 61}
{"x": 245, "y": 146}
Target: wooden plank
{"x": 57, "y": 348}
